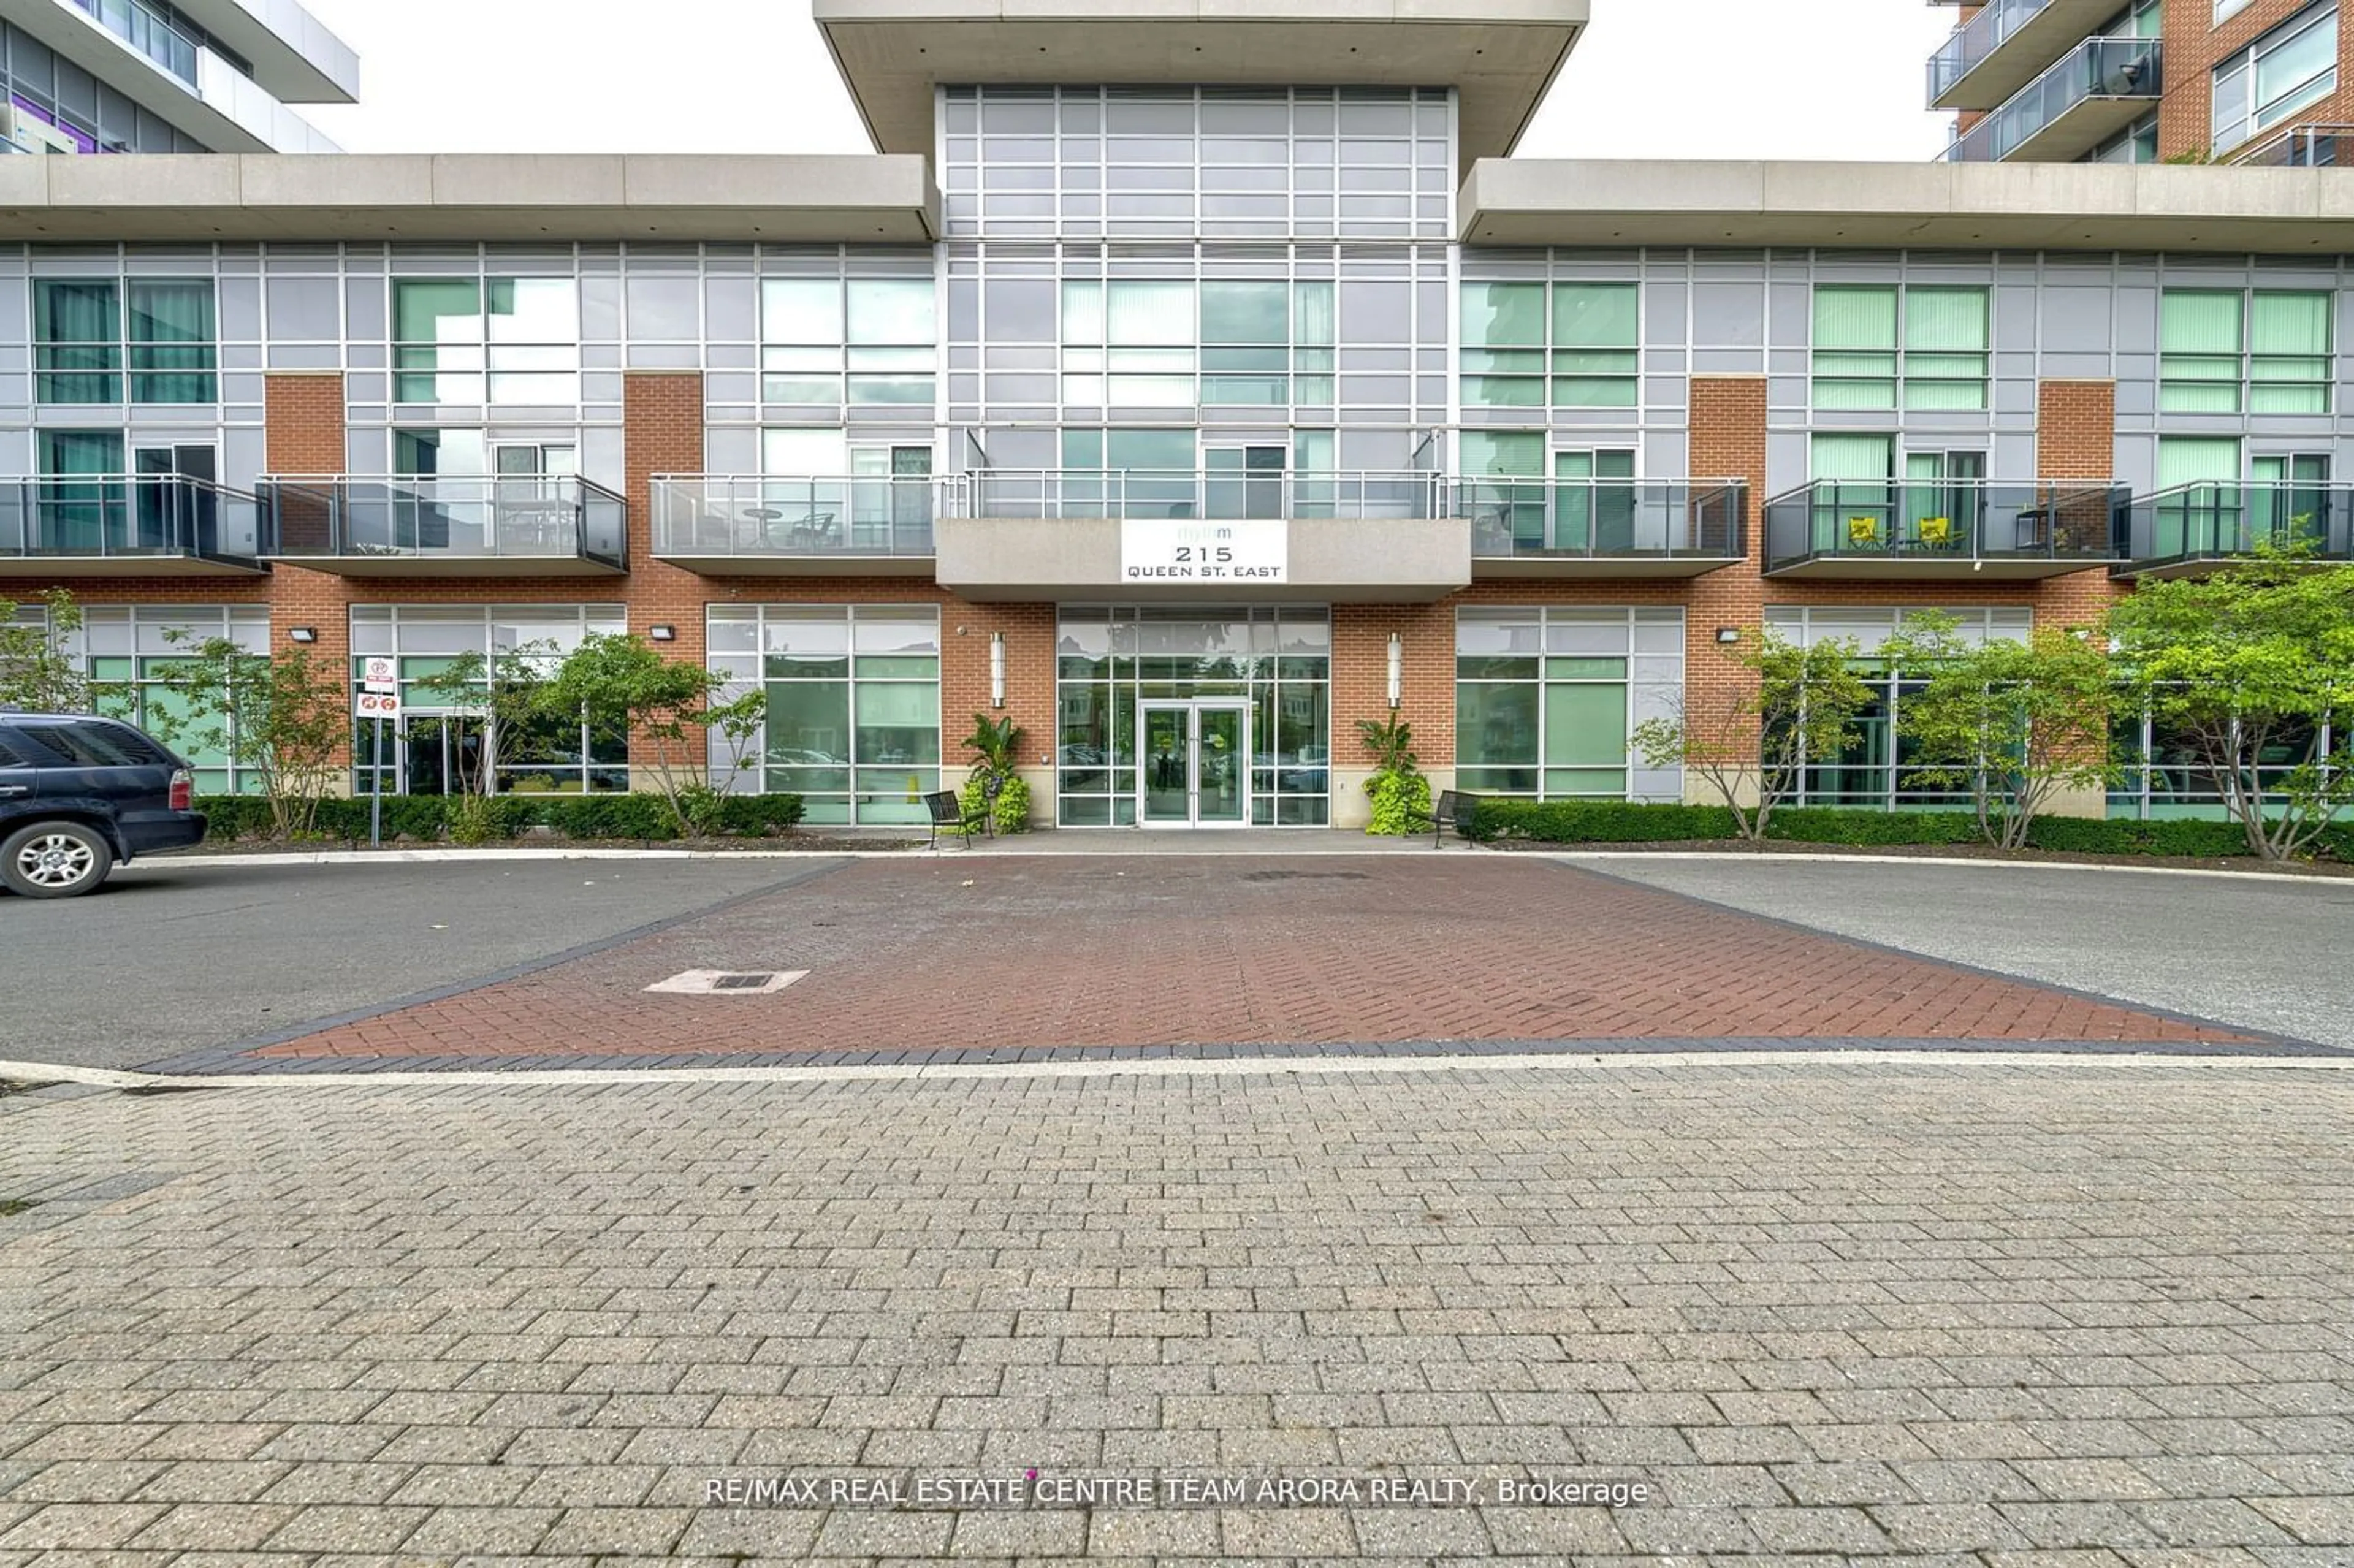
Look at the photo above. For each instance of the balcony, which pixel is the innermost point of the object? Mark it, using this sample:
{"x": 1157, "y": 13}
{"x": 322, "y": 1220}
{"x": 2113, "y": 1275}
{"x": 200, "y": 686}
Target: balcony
{"x": 2004, "y": 47}
{"x": 1228, "y": 534}
{"x": 147, "y": 31}
{"x": 511, "y": 527}
{"x": 1601, "y": 527}
{"x": 126, "y": 525}
{"x": 746, "y": 525}
{"x": 2191, "y": 529}
{"x": 2097, "y": 90}
{"x": 1984, "y": 530}
{"x": 128, "y": 46}
{"x": 2298, "y": 147}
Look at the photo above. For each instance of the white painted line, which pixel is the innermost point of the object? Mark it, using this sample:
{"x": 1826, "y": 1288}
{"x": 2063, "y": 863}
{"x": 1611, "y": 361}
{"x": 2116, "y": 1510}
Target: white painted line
{"x": 1744, "y": 858}
{"x": 1167, "y": 1067}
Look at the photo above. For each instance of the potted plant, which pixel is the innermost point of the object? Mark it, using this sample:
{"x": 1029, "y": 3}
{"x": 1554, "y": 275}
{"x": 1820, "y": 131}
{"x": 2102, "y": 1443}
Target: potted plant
{"x": 993, "y": 791}
{"x": 1400, "y": 791}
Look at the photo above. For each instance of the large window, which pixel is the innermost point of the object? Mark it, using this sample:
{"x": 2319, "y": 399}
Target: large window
{"x": 1875, "y": 770}
{"x": 2293, "y": 66}
{"x": 853, "y": 702}
{"x": 828, "y": 341}
{"x": 94, "y": 340}
{"x": 1920, "y": 348}
{"x": 441, "y": 745}
{"x": 138, "y": 653}
{"x": 487, "y": 340}
{"x": 2228, "y": 351}
{"x": 1141, "y": 344}
{"x": 1566, "y": 345}
{"x": 1547, "y": 700}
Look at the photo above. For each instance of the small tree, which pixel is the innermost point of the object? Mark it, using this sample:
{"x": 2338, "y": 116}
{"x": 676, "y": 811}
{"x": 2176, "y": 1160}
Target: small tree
{"x": 35, "y": 670}
{"x": 993, "y": 784}
{"x": 507, "y": 692}
{"x": 279, "y": 718}
{"x": 1752, "y": 740}
{"x": 2248, "y": 666}
{"x": 1400, "y": 792}
{"x": 2015, "y": 724}
{"x": 661, "y": 709}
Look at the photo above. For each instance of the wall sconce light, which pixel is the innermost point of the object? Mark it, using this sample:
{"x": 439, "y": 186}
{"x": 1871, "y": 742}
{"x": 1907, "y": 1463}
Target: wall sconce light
{"x": 302, "y": 633}
{"x": 1728, "y": 634}
{"x": 665, "y": 633}
{"x": 997, "y": 669}
{"x": 1397, "y": 667}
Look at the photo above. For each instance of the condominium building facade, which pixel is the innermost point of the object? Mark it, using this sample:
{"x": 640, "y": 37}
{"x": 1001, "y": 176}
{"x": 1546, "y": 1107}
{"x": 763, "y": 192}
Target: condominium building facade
{"x": 1188, "y": 390}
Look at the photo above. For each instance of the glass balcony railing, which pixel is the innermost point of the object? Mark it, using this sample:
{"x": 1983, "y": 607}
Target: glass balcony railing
{"x": 522, "y": 519}
{"x": 1215, "y": 494}
{"x": 2299, "y": 147}
{"x": 760, "y": 515}
{"x": 133, "y": 518}
{"x": 2041, "y": 118}
{"x": 147, "y": 31}
{"x": 1574, "y": 519}
{"x": 1930, "y": 524}
{"x": 1974, "y": 40}
{"x": 2190, "y": 524}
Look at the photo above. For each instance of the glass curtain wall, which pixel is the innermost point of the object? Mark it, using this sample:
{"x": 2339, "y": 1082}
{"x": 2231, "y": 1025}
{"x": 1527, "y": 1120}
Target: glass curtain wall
{"x": 853, "y": 721}
{"x": 1545, "y": 700}
{"x": 488, "y": 340}
{"x": 139, "y": 653}
{"x": 427, "y": 641}
{"x": 87, "y": 332}
{"x": 1578, "y": 352}
{"x": 1938, "y": 361}
{"x": 1109, "y": 661}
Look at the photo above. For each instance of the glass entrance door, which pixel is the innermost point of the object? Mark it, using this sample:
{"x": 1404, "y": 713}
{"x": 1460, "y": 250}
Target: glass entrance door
{"x": 1196, "y": 764}
{"x": 443, "y": 755}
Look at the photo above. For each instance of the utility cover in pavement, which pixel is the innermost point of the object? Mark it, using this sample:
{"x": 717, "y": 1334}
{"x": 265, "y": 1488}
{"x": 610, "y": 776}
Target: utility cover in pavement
{"x": 728, "y": 982}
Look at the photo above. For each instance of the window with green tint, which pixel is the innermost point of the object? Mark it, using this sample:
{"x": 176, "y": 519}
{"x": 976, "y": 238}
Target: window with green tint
{"x": 2289, "y": 342}
{"x": 498, "y": 340}
{"x": 1945, "y": 347}
{"x": 1566, "y": 345}
{"x": 2200, "y": 347}
{"x": 1855, "y": 360}
{"x": 1593, "y": 327}
{"x": 1585, "y": 724}
{"x": 852, "y": 715}
{"x": 86, "y": 332}
{"x": 1585, "y": 669}
{"x": 1555, "y": 724}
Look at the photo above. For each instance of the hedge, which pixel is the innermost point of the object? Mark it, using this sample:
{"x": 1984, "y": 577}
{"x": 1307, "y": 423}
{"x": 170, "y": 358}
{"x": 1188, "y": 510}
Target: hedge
{"x": 425, "y": 817}
{"x": 1613, "y": 822}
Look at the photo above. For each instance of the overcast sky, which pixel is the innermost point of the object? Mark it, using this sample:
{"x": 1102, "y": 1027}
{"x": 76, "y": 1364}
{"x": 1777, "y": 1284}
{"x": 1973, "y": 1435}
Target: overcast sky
{"x": 1653, "y": 79}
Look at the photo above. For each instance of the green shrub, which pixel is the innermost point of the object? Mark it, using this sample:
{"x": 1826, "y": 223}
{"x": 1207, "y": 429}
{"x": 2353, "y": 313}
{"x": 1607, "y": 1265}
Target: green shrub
{"x": 1012, "y": 812}
{"x": 1401, "y": 804}
{"x": 1836, "y": 825}
{"x": 1595, "y": 821}
{"x": 473, "y": 819}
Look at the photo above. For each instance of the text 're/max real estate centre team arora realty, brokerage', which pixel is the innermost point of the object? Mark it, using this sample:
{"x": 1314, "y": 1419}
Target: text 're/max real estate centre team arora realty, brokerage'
{"x": 1185, "y": 385}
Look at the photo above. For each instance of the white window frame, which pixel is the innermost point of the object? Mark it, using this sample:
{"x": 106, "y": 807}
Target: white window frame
{"x": 2242, "y": 63}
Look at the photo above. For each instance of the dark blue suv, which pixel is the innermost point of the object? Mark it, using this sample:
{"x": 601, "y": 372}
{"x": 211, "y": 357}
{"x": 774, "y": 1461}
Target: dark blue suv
{"x": 78, "y": 794}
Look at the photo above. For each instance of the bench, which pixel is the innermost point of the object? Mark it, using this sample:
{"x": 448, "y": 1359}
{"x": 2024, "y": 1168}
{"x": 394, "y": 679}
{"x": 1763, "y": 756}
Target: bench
{"x": 947, "y": 810}
{"x": 1454, "y": 810}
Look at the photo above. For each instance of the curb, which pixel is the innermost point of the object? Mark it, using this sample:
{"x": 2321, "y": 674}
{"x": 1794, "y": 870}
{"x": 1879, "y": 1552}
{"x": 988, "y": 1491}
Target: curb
{"x": 1738, "y": 859}
{"x": 1156, "y": 1067}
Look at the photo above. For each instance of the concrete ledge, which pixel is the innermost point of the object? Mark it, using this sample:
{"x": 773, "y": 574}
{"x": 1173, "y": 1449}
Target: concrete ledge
{"x": 474, "y": 197}
{"x": 2059, "y": 207}
{"x": 1343, "y": 560}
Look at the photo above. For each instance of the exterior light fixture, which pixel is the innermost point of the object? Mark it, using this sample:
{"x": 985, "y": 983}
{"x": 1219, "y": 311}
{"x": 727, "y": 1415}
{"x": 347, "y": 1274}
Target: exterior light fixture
{"x": 664, "y": 633}
{"x": 1728, "y": 634}
{"x": 997, "y": 669}
{"x": 302, "y": 633}
{"x": 1398, "y": 668}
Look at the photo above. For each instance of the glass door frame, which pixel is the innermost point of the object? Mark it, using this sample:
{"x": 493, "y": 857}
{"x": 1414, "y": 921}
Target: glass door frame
{"x": 1193, "y": 709}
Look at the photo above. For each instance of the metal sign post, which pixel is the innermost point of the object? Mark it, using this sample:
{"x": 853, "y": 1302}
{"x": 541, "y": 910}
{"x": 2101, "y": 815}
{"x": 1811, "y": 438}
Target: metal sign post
{"x": 379, "y": 698}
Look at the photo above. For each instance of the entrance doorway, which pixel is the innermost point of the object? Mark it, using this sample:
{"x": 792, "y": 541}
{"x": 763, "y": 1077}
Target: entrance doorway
{"x": 443, "y": 755}
{"x": 1195, "y": 759}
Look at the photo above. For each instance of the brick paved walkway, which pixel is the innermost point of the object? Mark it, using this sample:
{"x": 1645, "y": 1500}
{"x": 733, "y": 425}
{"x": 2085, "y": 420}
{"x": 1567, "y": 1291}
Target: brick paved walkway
{"x": 1004, "y": 954}
{"x": 2065, "y": 1312}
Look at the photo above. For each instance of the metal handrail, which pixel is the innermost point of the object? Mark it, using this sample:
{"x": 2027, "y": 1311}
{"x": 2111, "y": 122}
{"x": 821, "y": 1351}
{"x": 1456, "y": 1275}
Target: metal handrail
{"x": 1939, "y": 519}
{"x": 519, "y": 516}
{"x": 2130, "y": 67}
{"x": 797, "y": 515}
{"x": 1973, "y": 42}
{"x": 1603, "y": 517}
{"x": 102, "y": 515}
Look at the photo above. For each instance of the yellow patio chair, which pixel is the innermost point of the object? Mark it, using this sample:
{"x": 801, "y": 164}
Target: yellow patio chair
{"x": 1936, "y": 531}
{"x": 1863, "y": 532}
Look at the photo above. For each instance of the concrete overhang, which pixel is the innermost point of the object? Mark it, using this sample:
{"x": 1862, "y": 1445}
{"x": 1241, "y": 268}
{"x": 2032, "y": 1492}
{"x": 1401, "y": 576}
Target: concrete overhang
{"x": 1499, "y": 55}
{"x": 868, "y": 199}
{"x": 293, "y": 53}
{"x": 1971, "y": 207}
{"x": 1338, "y": 561}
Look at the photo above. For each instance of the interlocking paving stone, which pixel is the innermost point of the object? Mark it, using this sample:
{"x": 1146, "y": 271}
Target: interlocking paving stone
{"x": 1104, "y": 956}
{"x": 1833, "y": 1313}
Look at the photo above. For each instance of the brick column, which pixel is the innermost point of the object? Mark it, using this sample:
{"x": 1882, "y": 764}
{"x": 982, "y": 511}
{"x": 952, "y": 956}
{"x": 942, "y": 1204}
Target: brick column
{"x": 303, "y": 433}
{"x": 1361, "y": 677}
{"x": 1029, "y": 633}
{"x": 661, "y": 432}
{"x": 1727, "y": 442}
{"x": 2076, "y": 438}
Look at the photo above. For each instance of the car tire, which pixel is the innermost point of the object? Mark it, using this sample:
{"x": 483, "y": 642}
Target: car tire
{"x": 55, "y": 860}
